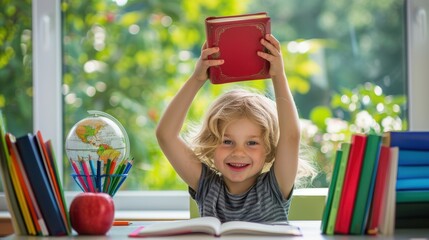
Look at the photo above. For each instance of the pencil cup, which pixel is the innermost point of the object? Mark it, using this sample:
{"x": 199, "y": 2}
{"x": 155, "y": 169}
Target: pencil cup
{"x": 107, "y": 183}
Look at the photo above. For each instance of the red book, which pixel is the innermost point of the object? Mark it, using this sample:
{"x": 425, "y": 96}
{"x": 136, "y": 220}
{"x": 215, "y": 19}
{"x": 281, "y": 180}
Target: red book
{"x": 238, "y": 38}
{"x": 380, "y": 191}
{"x": 350, "y": 186}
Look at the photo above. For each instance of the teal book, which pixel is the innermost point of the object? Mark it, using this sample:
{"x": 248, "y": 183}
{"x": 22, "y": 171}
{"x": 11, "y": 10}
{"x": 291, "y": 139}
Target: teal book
{"x": 412, "y": 184}
{"x": 413, "y": 158}
{"x": 345, "y": 148}
{"x": 40, "y": 184}
{"x": 409, "y": 172}
{"x": 331, "y": 190}
{"x": 412, "y": 196}
{"x": 366, "y": 184}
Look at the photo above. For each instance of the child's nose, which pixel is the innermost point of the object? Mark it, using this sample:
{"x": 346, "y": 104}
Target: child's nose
{"x": 238, "y": 151}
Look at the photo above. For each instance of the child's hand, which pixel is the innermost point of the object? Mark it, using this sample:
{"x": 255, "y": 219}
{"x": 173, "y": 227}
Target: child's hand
{"x": 274, "y": 56}
{"x": 203, "y": 63}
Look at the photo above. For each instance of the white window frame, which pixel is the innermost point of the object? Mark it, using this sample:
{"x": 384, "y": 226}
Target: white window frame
{"x": 48, "y": 110}
{"x": 47, "y": 81}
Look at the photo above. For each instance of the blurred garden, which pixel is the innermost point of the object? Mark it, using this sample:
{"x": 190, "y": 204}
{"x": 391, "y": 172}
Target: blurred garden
{"x": 345, "y": 62}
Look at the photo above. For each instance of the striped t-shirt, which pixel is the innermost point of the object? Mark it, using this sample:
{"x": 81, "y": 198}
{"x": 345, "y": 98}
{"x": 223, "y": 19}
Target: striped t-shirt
{"x": 261, "y": 203}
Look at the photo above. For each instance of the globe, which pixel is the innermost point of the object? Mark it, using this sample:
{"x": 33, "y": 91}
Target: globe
{"x": 99, "y": 136}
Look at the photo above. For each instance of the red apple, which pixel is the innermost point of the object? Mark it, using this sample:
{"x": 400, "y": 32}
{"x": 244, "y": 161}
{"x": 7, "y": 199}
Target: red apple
{"x": 92, "y": 213}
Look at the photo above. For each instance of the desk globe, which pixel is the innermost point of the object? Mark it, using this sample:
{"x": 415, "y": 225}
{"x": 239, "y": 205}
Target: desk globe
{"x": 99, "y": 136}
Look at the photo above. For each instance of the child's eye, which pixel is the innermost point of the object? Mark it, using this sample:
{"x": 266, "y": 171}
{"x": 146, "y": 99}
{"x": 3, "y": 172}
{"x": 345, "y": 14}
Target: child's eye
{"x": 227, "y": 142}
{"x": 252, "y": 143}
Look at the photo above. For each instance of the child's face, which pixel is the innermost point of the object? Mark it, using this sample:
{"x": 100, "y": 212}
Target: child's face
{"x": 241, "y": 155}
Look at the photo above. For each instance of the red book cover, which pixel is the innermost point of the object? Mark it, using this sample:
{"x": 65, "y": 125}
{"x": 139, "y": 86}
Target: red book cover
{"x": 350, "y": 186}
{"x": 380, "y": 191}
{"x": 238, "y": 38}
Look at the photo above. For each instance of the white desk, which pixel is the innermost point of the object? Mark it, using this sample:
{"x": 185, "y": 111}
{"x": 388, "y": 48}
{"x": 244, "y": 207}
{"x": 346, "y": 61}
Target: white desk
{"x": 310, "y": 230}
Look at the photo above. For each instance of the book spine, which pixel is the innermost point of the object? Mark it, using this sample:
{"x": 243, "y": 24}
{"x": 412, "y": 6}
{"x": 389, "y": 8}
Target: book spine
{"x": 413, "y": 140}
{"x": 345, "y": 148}
{"x": 387, "y": 220}
{"x": 413, "y": 157}
{"x": 328, "y": 204}
{"x": 365, "y": 186}
{"x": 348, "y": 194}
{"x": 52, "y": 158}
{"x": 379, "y": 198}
{"x": 11, "y": 199}
{"x": 23, "y": 188}
{"x": 412, "y": 184}
{"x": 412, "y": 210}
{"x": 407, "y": 172}
{"x": 412, "y": 196}
{"x": 45, "y": 197}
{"x": 412, "y": 223}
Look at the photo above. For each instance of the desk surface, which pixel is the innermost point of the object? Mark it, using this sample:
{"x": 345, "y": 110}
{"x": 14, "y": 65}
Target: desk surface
{"x": 310, "y": 230}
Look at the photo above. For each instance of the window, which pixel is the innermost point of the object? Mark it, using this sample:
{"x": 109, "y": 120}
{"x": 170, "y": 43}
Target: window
{"x": 128, "y": 58}
{"x": 344, "y": 60}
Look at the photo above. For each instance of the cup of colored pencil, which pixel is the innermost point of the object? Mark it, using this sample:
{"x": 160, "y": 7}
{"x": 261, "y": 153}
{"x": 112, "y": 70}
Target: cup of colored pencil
{"x": 100, "y": 176}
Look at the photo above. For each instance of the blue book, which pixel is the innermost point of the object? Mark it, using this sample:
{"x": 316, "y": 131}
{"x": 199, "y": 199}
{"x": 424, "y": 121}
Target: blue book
{"x": 413, "y": 157}
{"x": 406, "y": 172}
{"x": 412, "y": 184}
{"x": 40, "y": 184}
{"x": 411, "y": 140}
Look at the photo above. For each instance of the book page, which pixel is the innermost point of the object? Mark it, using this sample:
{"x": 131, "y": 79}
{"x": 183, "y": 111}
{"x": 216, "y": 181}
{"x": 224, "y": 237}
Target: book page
{"x": 238, "y": 18}
{"x": 250, "y": 228}
{"x": 208, "y": 225}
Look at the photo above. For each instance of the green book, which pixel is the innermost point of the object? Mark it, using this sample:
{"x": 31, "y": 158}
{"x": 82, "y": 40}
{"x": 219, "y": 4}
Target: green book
{"x": 11, "y": 198}
{"x": 412, "y": 196}
{"x": 345, "y": 148}
{"x": 328, "y": 204}
{"x": 366, "y": 184}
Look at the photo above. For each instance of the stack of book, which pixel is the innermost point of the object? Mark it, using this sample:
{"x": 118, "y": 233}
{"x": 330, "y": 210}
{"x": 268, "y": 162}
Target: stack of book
{"x": 412, "y": 186}
{"x": 32, "y": 186}
{"x": 373, "y": 185}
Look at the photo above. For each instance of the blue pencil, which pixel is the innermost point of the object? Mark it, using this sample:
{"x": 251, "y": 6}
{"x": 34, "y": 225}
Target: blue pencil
{"x": 98, "y": 178}
{"x": 91, "y": 164}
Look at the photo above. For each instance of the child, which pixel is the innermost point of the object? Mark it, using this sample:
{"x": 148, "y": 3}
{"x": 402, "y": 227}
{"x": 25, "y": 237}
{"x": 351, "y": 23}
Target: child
{"x": 243, "y": 134}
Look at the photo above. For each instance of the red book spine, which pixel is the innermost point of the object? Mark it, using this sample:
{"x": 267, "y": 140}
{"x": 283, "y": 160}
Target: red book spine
{"x": 350, "y": 186}
{"x": 380, "y": 191}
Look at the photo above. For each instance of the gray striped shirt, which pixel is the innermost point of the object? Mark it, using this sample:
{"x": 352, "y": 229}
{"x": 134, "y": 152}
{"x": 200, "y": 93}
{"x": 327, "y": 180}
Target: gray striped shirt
{"x": 262, "y": 203}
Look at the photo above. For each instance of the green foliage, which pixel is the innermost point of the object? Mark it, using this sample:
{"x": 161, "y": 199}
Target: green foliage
{"x": 343, "y": 60}
{"x": 16, "y": 65}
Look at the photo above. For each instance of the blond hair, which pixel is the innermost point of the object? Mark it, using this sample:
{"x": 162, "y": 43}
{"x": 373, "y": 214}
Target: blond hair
{"x": 234, "y": 105}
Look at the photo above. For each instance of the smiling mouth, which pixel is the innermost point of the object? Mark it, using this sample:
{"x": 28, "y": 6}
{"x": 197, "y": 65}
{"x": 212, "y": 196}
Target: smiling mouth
{"x": 238, "y": 166}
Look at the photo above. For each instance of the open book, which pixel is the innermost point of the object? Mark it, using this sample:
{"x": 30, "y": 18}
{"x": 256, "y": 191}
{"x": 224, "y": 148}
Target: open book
{"x": 212, "y": 226}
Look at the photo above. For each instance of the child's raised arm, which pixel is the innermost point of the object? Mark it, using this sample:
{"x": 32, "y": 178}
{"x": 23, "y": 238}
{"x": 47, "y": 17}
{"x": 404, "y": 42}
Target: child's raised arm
{"x": 286, "y": 159}
{"x": 168, "y": 130}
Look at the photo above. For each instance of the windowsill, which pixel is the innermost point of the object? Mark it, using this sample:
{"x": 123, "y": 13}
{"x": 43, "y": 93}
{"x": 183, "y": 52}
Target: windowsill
{"x": 315, "y": 192}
